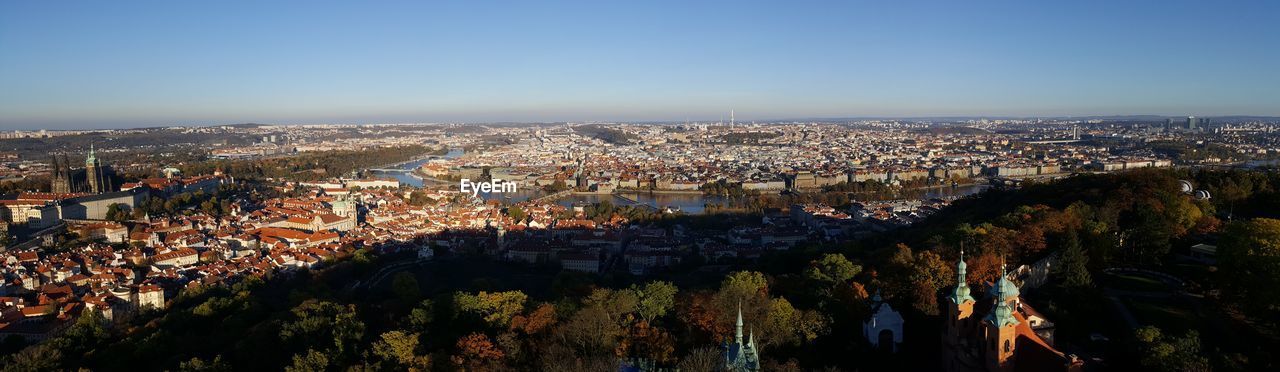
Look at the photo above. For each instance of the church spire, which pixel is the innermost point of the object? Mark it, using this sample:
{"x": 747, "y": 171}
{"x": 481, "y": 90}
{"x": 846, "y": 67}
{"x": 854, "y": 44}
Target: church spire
{"x": 737, "y": 335}
{"x": 961, "y": 293}
{"x": 1003, "y": 314}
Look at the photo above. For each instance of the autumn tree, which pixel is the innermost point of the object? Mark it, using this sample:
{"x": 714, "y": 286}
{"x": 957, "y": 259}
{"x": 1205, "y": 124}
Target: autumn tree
{"x": 495, "y": 308}
{"x": 699, "y": 311}
{"x": 985, "y": 268}
{"x": 919, "y": 277}
{"x": 774, "y": 320}
{"x": 400, "y": 350}
{"x": 538, "y": 320}
{"x": 646, "y": 341}
{"x": 590, "y": 331}
{"x": 476, "y": 352}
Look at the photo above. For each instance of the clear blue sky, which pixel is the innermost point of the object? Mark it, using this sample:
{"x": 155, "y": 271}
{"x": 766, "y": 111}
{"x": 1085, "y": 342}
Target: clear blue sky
{"x": 94, "y": 64}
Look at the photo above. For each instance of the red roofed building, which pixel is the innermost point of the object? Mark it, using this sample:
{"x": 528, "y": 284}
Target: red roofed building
{"x": 1000, "y": 334}
{"x": 178, "y": 258}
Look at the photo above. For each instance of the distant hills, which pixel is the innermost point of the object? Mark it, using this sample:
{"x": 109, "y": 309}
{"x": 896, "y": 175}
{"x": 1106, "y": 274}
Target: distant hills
{"x": 1094, "y": 117}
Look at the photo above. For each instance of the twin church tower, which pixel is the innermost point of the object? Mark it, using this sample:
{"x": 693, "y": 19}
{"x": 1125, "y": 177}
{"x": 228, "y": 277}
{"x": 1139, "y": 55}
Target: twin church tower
{"x": 998, "y": 333}
{"x": 66, "y": 180}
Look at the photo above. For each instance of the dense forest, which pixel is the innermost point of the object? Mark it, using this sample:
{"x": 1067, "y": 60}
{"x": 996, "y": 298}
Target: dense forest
{"x": 805, "y": 305}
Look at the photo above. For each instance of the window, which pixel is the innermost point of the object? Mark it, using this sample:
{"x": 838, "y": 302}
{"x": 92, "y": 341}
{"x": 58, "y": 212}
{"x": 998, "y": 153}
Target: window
{"x": 1007, "y": 347}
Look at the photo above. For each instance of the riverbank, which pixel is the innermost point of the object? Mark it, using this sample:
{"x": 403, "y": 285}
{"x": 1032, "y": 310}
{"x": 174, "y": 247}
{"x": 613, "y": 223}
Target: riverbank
{"x": 656, "y": 191}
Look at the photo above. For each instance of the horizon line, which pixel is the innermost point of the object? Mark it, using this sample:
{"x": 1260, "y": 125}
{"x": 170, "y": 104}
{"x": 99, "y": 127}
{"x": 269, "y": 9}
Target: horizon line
{"x": 665, "y": 121}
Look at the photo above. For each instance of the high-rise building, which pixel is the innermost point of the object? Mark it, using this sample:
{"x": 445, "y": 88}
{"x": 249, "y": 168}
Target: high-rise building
{"x": 1168, "y": 124}
{"x": 1191, "y": 123}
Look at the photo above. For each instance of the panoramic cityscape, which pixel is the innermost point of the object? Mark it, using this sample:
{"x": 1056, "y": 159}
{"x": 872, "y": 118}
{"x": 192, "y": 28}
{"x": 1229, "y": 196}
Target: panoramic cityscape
{"x": 572, "y": 186}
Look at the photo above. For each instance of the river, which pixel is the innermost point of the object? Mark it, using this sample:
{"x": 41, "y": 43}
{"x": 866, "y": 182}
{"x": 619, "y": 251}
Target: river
{"x": 407, "y": 178}
{"x": 690, "y": 203}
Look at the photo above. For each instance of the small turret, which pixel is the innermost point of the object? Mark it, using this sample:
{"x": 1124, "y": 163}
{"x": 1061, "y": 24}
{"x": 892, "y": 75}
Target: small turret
{"x": 961, "y": 293}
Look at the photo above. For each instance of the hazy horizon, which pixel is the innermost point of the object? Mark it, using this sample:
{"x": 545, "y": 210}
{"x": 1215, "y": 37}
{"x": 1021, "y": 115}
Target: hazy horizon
{"x": 96, "y": 65}
{"x": 725, "y": 120}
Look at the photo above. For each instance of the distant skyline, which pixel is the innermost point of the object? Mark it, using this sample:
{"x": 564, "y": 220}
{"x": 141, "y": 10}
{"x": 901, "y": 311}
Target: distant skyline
{"x": 94, "y": 64}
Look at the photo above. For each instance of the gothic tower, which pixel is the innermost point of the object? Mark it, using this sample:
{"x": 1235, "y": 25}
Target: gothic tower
{"x": 1000, "y": 326}
{"x": 579, "y": 177}
{"x": 60, "y": 176}
{"x": 97, "y": 179}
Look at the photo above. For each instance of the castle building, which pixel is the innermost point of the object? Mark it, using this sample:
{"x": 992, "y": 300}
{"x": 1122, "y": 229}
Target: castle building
{"x": 740, "y": 356}
{"x": 64, "y": 180}
{"x": 1003, "y": 334}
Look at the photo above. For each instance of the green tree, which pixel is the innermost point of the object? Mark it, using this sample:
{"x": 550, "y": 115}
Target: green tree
{"x": 496, "y": 308}
{"x": 308, "y": 362}
{"x": 406, "y": 287}
{"x": 200, "y": 365}
{"x": 1249, "y": 256}
{"x": 832, "y": 269}
{"x": 400, "y": 350}
{"x": 1162, "y": 353}
{"x": 117, "y": 212}
{"x": 744, "y": 285}
{"x": 657, "y": 298}
{"x": 1073, "y": 265}
{"x": 316, "y": 321}
{"x": 516, "y": 213}
{"x": 5, "y": 238}
{"x": 421, "y": 316}
{"x": 617, "y": 304}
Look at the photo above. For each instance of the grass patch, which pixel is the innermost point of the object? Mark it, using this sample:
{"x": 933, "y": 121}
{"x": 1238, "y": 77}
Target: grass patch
{"x": 1168, "y": 314}
{"x": 1131, "y": 282}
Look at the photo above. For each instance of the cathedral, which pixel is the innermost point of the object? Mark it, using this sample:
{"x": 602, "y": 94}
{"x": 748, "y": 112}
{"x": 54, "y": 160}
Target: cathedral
{"x": 999, "y": 334}
{"x": 95, "y": 179}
